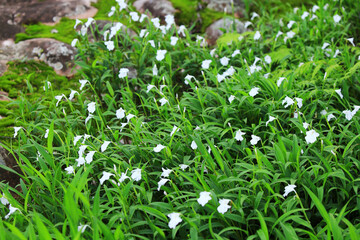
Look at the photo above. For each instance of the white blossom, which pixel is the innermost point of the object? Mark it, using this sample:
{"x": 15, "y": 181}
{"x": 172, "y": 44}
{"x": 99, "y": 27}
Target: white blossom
{"x": 82, "y": 82}
{"x": 74, "y": 41}
{"x": 105, "y": 176}
{"x": 206, "y": 64}
{"x": 338, "y": 91}
{"x": 158, "y": 148}
{"x": 89, "y": 157}
{"x": 305, "y": 15}
{"x": 136, "y": 174}
{"x": 91, "y": 107}
{"x": 337, "y": 18}
{"x": 281, "y": 79}
{"x": 271, "y": 118}
{"x": 348, "y": 114}
{"x": 120, "y": 113}
{"x": 204, "y": 198}
{"x": 163, "y": 101}
{"x": 224, "y": 206}
{"x": 12, "y": 210}
{"x": 257, "y": 35}
{"x": 224, "y": 61}
{"x": 109, "y": 45}
{"x": 239, "y": 135}
{"x": 80, "y": 160}
{"x": 123, "y": 72}
{"x": 46, "y": 133}
{"x": 162, "y": 183}
{"x": 193, "y": 145}
{"x": 175, "y": 128}
{"x": 287, "y": 102}
{"x": 254, "y": 91}
{"x": 173, "y": 41}
{"x": 311, "y": 136}
{"x": 236, "y": 52}
{"x": 299, "y": 102}
{"x": 290, "y": 24}
{"x": 69, "y": 170}
{"x": 351, "y": 40}
{"x": 231, "y": 98}
{"x": 105, "y": 145}
{"x": 72, "y": 94}
{"x": 183, "y": 166}
{"x": 254, "y": 139}
{"x": 160, "y": 55}
{"x": 174, "y": 219}
{"x": 134, "y": 16}
{"x": 267, "y": 59}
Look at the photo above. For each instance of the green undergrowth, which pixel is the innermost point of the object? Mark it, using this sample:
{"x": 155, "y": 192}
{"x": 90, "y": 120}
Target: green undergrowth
{"x": 65, "y": 31}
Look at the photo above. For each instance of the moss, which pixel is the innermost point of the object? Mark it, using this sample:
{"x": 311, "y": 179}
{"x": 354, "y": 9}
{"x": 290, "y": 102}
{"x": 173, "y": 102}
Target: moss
{"x": 103, "y": 7}
{"x": 66, "y": 32}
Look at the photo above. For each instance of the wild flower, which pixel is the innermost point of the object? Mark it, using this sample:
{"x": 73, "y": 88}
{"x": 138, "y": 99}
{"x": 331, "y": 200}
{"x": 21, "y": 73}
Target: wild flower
{"x": 129, "y": 116}
{"x": 235, "y": 53}
{"x": 330, "y": 116}
{"x": 174, "y": 219}
{"x": 257, "y": 35}
{"x": 204, "y": 198}
{"x": 110, "y": 45}
{"x": 162, "y": 182}
{"x": 239, "y": 135}
{"x": 188, "y": 79}
{"x": 82, "y": 228}
{"x": 311, "y": 136}
{"x": 271, "y": 118}
{"x": 158, "y": 148}
{"x": 46, "y": 133}
{"x": 12, "y": 210}
{"x": 183, "y": 166}
{"x": 281, "y": 79}
{"x": 289, "y": 189}
{"x": 120, "y": 113}
{"x": 16, "y": 130}
{"x": 163, "y": 101}
{"x": 89, "y": 157}
{"x": 69, "y": 170}
{"x": 165, "y": 172}
{"x": 224, "y": 205}
{"x": 105, "y": 145}
{"x": 337, "y": 18}
{"x": 193, "y": 145}
{"x": 351, "y": 40}
{"x": 254, "y": 91}
{"x": 89, "y": 22}
{"x": 267, "y": 59}
{"x": 348, "y": 114}
{"x": 160, "y": 55}
{"x": 156, "y": 22}
{"x": 299, "y": 102}
{"x": 305, "y": 125}
{"x": 122, "y": 4}
{"x": 254, "y": 15}
{"x": 206, "y": 64}
{"x": 338, "y": 91}
{"x": 134, "y": 16}
{"x": 105, "y": 176}
{"x": 173, "y": 41}
{"x": 91, "y": 107}
{"x": 123, "y": 177}
{"x": 80, "y": 161}
{"x": 58, "y": 98}
{"x": 136, "y": 174}
{"x": 290, "y": 24}
{"x": 287, "y": 102}
{"x": 114, "y": 29}
{"x": 170, "y": 20}
{"x": 142, "y": 18}
{"x": 304, "y": 15}
{"x": 254, "y": 139}
{"x": 112, "y": 11}
{"x": 74, "y": 41}
{"x": 224, "y": 61}
{"x": 72, "y": 94}
{"x": 247, "y": 24}
{"x": 231, "y": 98}
{"x": 123, "y": 73}
{"x": 77, "y": 22}
{"x": 181, "y": 30}
{"x": 175, "y": 128}
{"x": 82, "y": 82}
{"x": 90, "y": 116}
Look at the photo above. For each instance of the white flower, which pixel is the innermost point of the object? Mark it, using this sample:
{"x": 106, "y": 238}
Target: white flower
{"x": 181, "y": 30}
{"x": 82, "y": 149}
{"x": 311, "y": 136}
{"x": 338, "y": 91}
{"x": 152, "y": 43}
{"x": 105, "y": 145}
{"x": 289, "y": 189}
{"x": 72, "y": 94}
{"x": 149, "y": 87}
{"x": 163, "y": 101}
{"x": 122, "y": 4}
{"x": 162, "y": 183}
{"x": 224, "y": 61}
{"x": 254, "y": 139}
{"x": 173, "y": 41}
{"x": 123, "y": 72}
{"x": 73, "y": 42}
{"x": 158, "y": 148}
{"x": 12, "y": 210}
{"x": 129, "y": 116}
{"x": 267, "y": 59}
{"x": 120, "y": 113}
{"x": 16, "y": 129}
{"x": 257, "y": 35}
{"x": 348, "y": 114}
{"x": 89, "y": 22}
{"x": 337, "y": 18}
{"x": 224, "y": 206}
{"x": 155, "y": 70}
{"x": 91, "y": 107}
{"x": 136, "y": 174}
{"x": 288, "y": 101}
{"x": 254, "y": 91}
{"x": 82, "y": 82}
{"x": 271, "y": 118}
{"x": 170, "y": 20}
{"x": 330, "y": 116}
{"x": 325, "y": 45}
{"x": 80, "y": 160}
{"x": 193, "y": 145}
{"x": 212, "y": 52}
{"x": 220, "y": 77}
{"x": 206, "y": 64}
{"x": 351, "y": 40}
{"x": 204, "y": 198}
{"x": 315, "y": 8}
{"x": 77, "y": 22}
{"x": 134, "y": 16}
{"x": 281, "y": 79}
{"x": 174, "y": 219}
{"x": 305, "y": 15}
{"x": 175, "y": 128}
{"x": 123, "y": 177}
{"x": 112, "y": 11}
{"x": 305, "y": 125}
{"x": 290, "y": 34}
{"x": 114, "y": 29}
{"x": 89, "y": 157}
{"x": 46, "y": 133}
{"x": 290, "y": 24}
{"x": 76, "y": 139}
{"x": 336, "y": 53}
{"x": 105, "y": 176}
{"x": 109, "y": 45}
{"x": 183, "y": 166}
{"x": 247, "y": 24}
{"x": 266, "y": 75}
{"x": 160, "y": 54}
{"x": 238, "y": 135}
{"x": 230, "y": 71}
{"x": 48, "y": 85}
{"x": 236, "y": 52}
{"x": 254, "y": 15}
{"x": 88, "y": 118}
{"x": 299, "y": 102}
{"x": 4, "y": 200}
{"x": 69, "y": 170}
{"x": 231, "y": 98}
{"x": 143, "y": 32}
{"x": 166, "y": 172}
{"x": 59, "y": 97}
{"x": 82, "y": 228}
{"x": 278, "y": 35}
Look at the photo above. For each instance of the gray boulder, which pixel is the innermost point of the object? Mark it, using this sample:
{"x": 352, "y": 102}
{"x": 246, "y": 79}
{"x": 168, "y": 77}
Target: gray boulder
{"x": 157, "y": 8}
{"x": 224, "y": 25}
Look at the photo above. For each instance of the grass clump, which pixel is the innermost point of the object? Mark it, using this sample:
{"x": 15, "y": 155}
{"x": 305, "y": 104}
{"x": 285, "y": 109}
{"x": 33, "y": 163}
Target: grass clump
{"x": 166, "y": 138}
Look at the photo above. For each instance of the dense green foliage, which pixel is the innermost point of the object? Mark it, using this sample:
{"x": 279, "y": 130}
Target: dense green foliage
{"x": 132, "y": 153}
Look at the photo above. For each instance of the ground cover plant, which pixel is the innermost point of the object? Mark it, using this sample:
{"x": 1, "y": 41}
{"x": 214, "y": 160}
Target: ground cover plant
{"x": 165, "y": 137}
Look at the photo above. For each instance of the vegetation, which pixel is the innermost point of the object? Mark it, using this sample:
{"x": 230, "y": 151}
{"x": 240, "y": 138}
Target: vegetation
{"x": 165, "y": 137}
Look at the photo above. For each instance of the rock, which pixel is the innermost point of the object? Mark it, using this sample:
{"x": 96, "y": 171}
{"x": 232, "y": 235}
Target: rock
{"x": 157, "y": 8}
{"x": 225, "y": 5}
{"x": 13, "y": 14}
{"x": 56, "y": 54}
{"x": 215, "y": 30}
{"x": 4, "y": 96}
{"x": 9, "y": 161}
